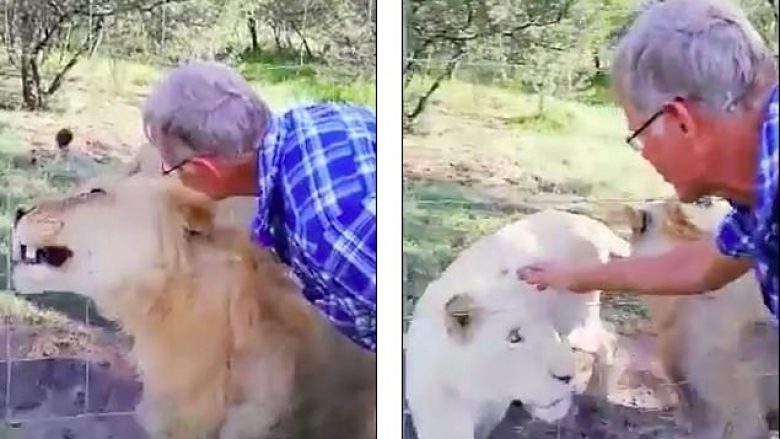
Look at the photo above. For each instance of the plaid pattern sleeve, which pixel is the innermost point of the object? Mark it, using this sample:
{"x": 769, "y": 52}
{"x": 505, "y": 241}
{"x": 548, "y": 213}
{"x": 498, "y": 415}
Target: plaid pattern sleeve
{"x": 753, "y": 232}
{"x": 318, "y": 209}
{"x": 735, "y": 233}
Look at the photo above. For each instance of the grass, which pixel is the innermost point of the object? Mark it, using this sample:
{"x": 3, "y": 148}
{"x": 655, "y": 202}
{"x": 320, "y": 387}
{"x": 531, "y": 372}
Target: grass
{"x": 19, "y": 311}
{"x": 309, "y": 81}
{"x": 483, "y": 156}
{"x": 101, "y": 102}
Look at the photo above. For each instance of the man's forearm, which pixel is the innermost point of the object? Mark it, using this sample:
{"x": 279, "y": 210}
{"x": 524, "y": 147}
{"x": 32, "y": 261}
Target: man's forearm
{"x": 685, "y": 270}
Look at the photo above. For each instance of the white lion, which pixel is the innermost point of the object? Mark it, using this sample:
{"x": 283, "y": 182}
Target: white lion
{"x": 480, "y": 338}
{"x": 718, "y": 346}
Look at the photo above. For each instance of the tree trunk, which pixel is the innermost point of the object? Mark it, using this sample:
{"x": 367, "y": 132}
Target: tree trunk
{"x": 288, "y": 42}
{"x": 98, "y": 40}
{"x": 422, "y": 101}
{"x": 306, "y": 47}
{"x": 31, "y": 87}
{"x": 251, "y": 24}
{"x": 277, "y": 37}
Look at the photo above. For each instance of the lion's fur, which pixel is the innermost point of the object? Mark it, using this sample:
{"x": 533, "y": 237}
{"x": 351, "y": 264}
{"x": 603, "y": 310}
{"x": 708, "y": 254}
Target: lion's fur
{"x": 226, "y": 345}
{"x": 701, "y": 338}
{"x": 457, "y": 324}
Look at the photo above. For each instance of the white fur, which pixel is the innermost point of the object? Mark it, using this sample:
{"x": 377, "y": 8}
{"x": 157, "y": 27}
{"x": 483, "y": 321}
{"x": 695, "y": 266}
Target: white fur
{"x": 460, "y": 389}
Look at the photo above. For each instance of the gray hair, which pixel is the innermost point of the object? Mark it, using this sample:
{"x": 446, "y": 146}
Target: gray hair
{"x": 208, "y": 106}
{"x": 703, "y": 50}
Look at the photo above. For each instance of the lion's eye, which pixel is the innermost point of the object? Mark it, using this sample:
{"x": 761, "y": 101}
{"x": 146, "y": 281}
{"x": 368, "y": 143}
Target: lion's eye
{"x": 93, "y": 191}
{"x": 515, "y": 336}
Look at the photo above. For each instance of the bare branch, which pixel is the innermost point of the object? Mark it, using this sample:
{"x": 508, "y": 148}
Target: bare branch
{"x": 137, "y": 6}
{"x": 86, "y": 44}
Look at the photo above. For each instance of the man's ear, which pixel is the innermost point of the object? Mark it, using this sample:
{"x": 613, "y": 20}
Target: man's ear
{"x": 196, "y": 209}
{"x": 461, "y": 314}
{"x": 681, "y": 117}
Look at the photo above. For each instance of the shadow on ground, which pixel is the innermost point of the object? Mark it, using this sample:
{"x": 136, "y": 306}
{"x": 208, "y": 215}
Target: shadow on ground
{"x": 61, "y": 378}
{"x": 605, "y": 421}
{"x": 67, "y": 398}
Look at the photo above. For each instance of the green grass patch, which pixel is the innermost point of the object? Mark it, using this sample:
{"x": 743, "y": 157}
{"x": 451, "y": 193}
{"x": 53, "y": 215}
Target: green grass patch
{"x": 275, "y": 73}
{"x": 361, "y": 92}
{"x": 549, "y": 121}
{"x": 16, "y": 310}
{"x": 439, "y": 220}
{"x": 486, "y": 157}
{"x": 307, "y": 79}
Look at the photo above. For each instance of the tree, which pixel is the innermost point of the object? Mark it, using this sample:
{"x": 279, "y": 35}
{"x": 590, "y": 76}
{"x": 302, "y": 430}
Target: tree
{"x": 344, "y": 31}
{"x": 448, "y": 30}
{"x": 33, "y": 29}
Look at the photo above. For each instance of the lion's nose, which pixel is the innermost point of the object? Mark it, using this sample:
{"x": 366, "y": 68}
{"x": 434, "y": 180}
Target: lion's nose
{"x": 565, "y": 379}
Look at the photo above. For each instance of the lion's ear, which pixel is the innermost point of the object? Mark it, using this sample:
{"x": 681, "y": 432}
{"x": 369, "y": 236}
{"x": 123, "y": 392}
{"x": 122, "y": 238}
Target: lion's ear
{"x": 632, "y": 216}
{"x": 461, "y": 314}
{"x": 678, "y": 224}
{"x": 196, "y": 209}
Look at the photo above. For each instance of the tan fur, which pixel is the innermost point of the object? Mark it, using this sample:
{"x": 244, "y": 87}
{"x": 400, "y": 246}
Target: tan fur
{"x": 678, "y": 226}
{"x": 702, "y": 339}
{"x": 226, "y": 344}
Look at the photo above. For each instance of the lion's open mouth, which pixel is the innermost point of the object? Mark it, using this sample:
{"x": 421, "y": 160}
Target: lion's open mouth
{"x": 53, "y": 255}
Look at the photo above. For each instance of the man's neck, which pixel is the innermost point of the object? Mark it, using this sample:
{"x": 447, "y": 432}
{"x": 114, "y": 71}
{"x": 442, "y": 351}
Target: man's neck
{"x": 738, "y": 166}
{"x": 242, "y": 176}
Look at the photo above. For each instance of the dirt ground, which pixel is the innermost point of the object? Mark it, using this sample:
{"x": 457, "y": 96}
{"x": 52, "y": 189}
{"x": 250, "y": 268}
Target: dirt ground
{"x": 640, "y": 406}
{"x": 67, "y": 382}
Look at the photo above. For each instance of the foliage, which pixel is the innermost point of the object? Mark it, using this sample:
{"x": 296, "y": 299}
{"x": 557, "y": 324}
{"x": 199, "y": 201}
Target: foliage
{"x": 314, "y": 80}
{"x": 546, "y": 47}
{"x": 33, "y": 29}
{"x": 44, "y": 40}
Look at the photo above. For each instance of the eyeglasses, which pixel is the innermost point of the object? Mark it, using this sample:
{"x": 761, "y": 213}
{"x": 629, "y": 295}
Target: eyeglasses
{"x": 184, "y": 162}
{"x": 181, "y": 164}
{"x": 633, "y": 138}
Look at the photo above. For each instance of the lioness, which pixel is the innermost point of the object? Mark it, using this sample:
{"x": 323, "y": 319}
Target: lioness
{"x": 226, "y": 344}
{"x": 480, "y": 339}
{"x": 711, "y": 344}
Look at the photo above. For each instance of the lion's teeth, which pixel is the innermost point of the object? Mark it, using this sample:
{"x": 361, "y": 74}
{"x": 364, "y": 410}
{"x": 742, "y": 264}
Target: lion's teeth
{"x": 30, "y": 252}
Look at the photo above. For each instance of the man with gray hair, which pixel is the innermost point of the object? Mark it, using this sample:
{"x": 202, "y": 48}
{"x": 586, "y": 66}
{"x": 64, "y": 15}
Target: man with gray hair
{"x": 313, "y": 169}
{"x": 699, "y": 90}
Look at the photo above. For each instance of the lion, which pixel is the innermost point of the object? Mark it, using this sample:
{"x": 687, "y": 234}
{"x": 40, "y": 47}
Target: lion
{"x": 481, "y": 339}
{"x": 710, "y": 344}
{"x": 226, "y": 345}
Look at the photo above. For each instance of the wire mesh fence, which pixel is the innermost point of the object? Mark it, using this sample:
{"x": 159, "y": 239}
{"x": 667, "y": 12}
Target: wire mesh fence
{"x": 61, "y": 370}
{"x": 64, "y": 371}
{"x": 432, "y": 240}
{"x": 491, "y": 141}
{"x": 497, "y": 141}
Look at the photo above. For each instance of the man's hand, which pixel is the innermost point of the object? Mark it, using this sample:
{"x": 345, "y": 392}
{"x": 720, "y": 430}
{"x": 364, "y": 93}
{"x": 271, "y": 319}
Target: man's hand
{"x": 548, "y": 275}
{"x": 689, "y": 268}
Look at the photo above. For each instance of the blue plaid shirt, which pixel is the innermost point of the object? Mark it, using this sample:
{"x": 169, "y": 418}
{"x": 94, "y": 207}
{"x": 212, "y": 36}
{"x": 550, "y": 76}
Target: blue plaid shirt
{"x": 753, "y": 233}
{"x": 317, "y": 209}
